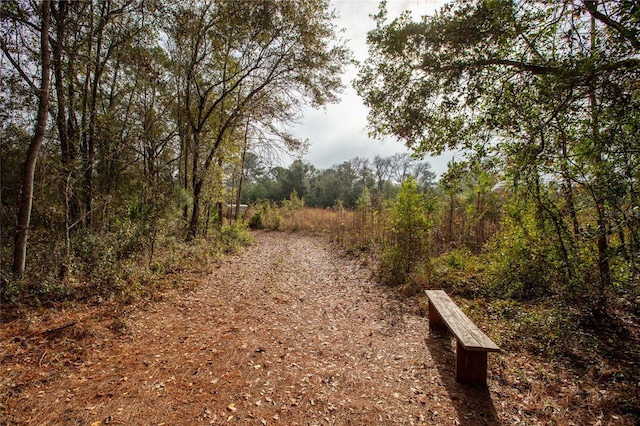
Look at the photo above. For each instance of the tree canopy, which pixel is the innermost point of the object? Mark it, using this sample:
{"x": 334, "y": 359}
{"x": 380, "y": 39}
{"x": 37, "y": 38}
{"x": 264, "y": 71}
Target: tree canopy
{"x": 549, "y": 89}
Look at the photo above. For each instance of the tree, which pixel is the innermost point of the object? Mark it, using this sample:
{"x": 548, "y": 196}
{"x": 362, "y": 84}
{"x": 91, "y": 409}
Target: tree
{"x": 324, "y": 189}
{"x": 382, "y": 171}
{"x": 383, "y": 184}
{"x": 42, "y": 92}
{"x": 424, "y": 175}
{"x": 545, "y": 87}
{"x": 295, "y": 179}
{"x": 407, "y": 249}
{"x": 105, "y": 64}
{"x": 471, "y": 202}
{"x": 401, "y": 165}
{"x": 229, "y": 54}
{"x": 451, "y": 184}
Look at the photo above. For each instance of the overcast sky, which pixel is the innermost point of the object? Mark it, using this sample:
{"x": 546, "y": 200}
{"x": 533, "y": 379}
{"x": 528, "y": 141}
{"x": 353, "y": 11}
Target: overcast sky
{"x": 338, "y": 132}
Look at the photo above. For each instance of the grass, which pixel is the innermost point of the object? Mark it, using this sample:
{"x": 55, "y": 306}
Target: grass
{"x": 98, "y": 275}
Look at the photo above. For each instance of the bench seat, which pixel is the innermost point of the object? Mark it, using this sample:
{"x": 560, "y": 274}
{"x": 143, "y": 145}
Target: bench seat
{"x": 472, "y": 344}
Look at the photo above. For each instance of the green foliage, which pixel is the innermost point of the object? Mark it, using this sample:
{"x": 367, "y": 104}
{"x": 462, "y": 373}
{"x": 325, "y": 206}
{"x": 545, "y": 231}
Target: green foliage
{"x": 344, "y": 182}
{"x": 266, "y": 217}
{"x": 215, "y": 99}
{"x": 293, "y": 204}
{"x": 363, "y": 203}
{"x": 255, "y": 221}
{"x": 524, "y": 260}
{"x": 546, "y": 90}
{"x": 390, "y": 271}
{"x": 471, "y": 203}
{"x": 461, "y": 271}
{"x": 407, "y": 248}
{"x": 360, "y": 235}
{"x": 549, "y": 329}
{"x": 106, "y": 260}
{"x": 145, "y": 139}
{"x": 26, "y": 290}
{"x": 235, "y": 236}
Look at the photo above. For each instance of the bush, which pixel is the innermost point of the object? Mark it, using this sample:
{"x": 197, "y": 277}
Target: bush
{"x": 546, "y": 329}
{"x": 462, "y": 272}
{"x": 235, "y": 236}
{"x": 34, "y": 290}
{"x": 267, "y": 217}
{"x": 406, "y": 248}
{"x": 524, "y": 262}
{"x": 293, "y": 204}
{"x": 255, "y": 221}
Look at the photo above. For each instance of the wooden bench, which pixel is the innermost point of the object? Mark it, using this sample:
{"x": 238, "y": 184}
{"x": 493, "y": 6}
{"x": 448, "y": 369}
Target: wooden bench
{"x": 472, "y": 344}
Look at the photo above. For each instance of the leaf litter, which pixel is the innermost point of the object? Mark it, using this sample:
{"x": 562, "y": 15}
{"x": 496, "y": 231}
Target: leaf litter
{"x": 289, "y": 331}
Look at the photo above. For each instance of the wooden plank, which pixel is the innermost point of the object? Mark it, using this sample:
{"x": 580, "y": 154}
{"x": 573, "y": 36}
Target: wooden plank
{"x": 434, "y": 317}
{"x": 453, "y": 317}
{"x": 471, "y": 366}
{"x": 471, "y": 337}
{"x": 465, "y": 330}
{"x": 467, "y": 333}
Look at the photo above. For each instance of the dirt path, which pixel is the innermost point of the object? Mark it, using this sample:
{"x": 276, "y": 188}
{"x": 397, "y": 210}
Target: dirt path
{"x": 287, "y": 332}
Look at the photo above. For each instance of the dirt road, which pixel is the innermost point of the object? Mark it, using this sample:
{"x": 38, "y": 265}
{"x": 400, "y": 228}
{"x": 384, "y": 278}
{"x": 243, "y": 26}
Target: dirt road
{"x": 287, "y": 332}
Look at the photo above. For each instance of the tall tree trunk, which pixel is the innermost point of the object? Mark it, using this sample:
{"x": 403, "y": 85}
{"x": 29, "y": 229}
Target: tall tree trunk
{"x": 73, "y": 136}
{"x": 26, "y": 198}
{"x": 90, "y": 104}
{"x": 195, "y": 212}
{"x": 60, "y": 15}
{"x": 242, "y": 164}
{"x": 602, "y": 242}
{"x": 451, "y": 212}
{"x": 219, "y": 203}
{"x": 567, "y": 187}
{"x": 196, "y": 183}
{"x": 90, "y": 152}
{"x": 184, "y": 168}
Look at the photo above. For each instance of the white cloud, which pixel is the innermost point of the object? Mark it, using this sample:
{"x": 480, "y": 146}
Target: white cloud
{"x": 338, "y": 132}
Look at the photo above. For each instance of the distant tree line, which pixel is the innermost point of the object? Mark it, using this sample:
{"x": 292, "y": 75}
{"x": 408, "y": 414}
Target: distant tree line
{"x": 341, "y": 184}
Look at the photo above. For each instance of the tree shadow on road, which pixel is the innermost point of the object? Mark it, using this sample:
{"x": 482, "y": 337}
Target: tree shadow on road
{"x": 473, "y": 404}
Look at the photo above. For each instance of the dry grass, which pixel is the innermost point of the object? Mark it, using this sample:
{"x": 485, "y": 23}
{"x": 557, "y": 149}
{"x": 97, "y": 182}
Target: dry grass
{"x": 353, "y": 230}
{"x": 319, "y": 221}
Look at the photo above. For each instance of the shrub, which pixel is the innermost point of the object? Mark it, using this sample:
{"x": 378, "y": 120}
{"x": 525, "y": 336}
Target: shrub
{"x": 407, "y": 247}
{"x": 293, "y": 204}
{"x": 461, "y": 271}
{"x": 255, "y": 221}
{"x": 267, "y": 217}
{"x": 523, "y": 261}
{"x": 235, "y": 236}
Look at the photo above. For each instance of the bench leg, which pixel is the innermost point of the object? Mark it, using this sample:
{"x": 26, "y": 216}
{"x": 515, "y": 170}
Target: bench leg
{"x": 471, "y": 366}
{"x": 435, "y": 320}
